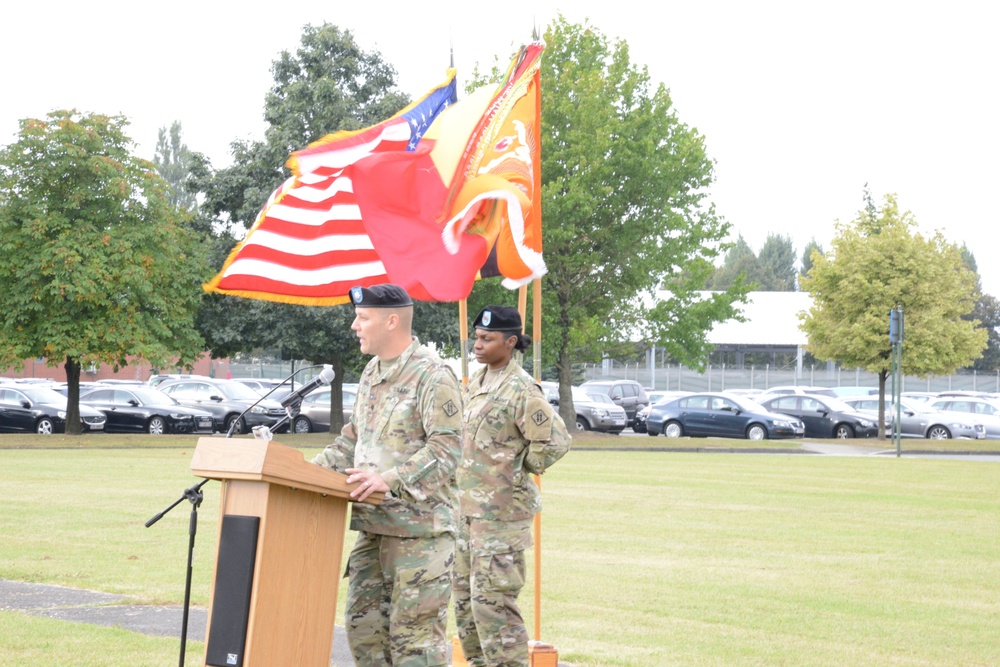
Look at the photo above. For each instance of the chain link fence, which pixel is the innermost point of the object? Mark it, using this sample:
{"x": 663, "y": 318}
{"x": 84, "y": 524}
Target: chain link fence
{"x": 721, "y": 377}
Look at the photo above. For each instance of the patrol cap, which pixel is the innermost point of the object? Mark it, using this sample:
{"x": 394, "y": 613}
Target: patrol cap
{"x": 385, "y": 295}
{"x": 498, "y": 318}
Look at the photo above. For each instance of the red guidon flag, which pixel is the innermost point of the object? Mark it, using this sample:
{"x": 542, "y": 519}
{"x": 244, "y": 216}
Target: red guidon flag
{"x": 424, "y": 200}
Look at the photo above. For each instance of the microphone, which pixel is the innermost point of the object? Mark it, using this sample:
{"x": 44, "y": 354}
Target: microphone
{"x": 284, "y": 419}
{"x": 325, "y": 377}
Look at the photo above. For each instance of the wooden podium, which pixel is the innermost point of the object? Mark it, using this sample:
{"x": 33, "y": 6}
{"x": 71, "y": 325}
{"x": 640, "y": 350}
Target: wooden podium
{"x": 281, "y": 540}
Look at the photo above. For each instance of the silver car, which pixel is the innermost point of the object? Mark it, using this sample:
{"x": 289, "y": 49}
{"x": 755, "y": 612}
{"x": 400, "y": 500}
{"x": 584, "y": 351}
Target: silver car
{"x": 919, "y": 420}
{"x": 314, "y": 413}
{"x": 598, "y": 413}
{"x": 981, "y": 409}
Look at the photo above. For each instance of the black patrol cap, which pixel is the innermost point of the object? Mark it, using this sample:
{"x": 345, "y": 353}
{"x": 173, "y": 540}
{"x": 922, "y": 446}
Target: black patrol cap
{"x": 498, "y": 318}
{"x": 385, "y": 295}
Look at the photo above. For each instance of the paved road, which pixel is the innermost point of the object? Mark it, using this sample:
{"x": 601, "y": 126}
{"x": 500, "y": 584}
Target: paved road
{"x": 83, "y": 606}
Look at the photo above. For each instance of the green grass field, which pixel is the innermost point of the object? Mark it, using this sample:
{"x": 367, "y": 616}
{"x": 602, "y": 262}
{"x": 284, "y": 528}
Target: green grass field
{"x": 650, "y": 558}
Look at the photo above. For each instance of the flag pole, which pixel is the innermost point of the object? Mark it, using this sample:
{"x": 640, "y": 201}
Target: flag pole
{"x": 536, "y": 317}
{"x": 463, "y": 335}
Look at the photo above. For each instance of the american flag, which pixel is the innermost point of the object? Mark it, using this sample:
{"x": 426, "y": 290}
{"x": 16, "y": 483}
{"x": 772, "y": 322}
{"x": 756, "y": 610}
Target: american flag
{"x": 309, "y": 243}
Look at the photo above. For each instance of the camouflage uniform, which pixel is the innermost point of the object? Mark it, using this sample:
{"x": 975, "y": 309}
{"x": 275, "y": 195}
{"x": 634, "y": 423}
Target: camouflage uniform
{"x": 505, "y": 424}
{"x": 406, "y": 425}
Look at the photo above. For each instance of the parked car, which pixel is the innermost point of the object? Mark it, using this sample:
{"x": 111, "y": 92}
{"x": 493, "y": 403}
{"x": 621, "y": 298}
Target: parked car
{"x": 226, "y": 400}
{"x": 922, "y": 396}
{"x": 639, "y": 425}
{"x": 155, "y": 380}
{"x": 31, "y": 408}
{"x": 628, "y": 394}
{"x": 983, "y": 409}
{"x": 131, "y": 409}
{"x": 851, "y": 392}
{"x": 752, "y": 394}
{"x": 796, "y": 390}
{"x": 273, "y": 389}
{"x": 824, "y": 416}
{"x": 918, "y": 420}
{"x": 590, "y": 414}
{"x": 314, "y": 413}
{"x": 718, "y": 415}
{"x": 63, "y": 387}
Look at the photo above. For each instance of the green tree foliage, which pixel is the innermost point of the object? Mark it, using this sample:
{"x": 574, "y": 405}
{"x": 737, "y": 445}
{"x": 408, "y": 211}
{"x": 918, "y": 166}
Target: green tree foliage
{"x": 776, "y": 264}
{"x": 173, "y": 161}
{"x": 876, "y": 263}
{"x": 94, "y": 264}
{"x": 625, "y": 209}
{"x": 811, "y": 249}
{"x": 740, "y": 264}
{"x": 328, "y": 84}
{"x": 987, "y": 312}
{"x": 773, "y": 270}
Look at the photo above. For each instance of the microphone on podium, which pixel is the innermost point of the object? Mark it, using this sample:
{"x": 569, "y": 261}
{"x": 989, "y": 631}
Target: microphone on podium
{"x": 325, "y": 377}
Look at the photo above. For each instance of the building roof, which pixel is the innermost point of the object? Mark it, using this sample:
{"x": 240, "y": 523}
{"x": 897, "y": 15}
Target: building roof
{"x": 772, "y": 318}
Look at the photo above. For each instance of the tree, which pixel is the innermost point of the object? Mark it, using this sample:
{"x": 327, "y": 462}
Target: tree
{"x": 328, "y": 84}
{"x": 740, "y": 263}
{"x": 624, "y": 200}
{"x": 987, "y": 312}
{"x": 94, "y": 265}
{"x": 173, "y": 162}
{"x": 879, "y": 262}
{"x": 776, "y": 264}
{"x": 811, "y": 249}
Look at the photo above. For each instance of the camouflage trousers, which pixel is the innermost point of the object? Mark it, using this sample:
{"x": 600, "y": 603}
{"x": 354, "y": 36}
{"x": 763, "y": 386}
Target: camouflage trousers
{"x": 397, "y": 600}
{"x": 488, "y": 576}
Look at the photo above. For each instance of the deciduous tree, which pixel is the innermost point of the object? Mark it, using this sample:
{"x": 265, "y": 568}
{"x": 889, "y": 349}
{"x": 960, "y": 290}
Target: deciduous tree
{"x": 625, "y": 210}
{"x": 94, "y": 264}
{"x": 878, "y": 262}
{"x": 328, "y": 84}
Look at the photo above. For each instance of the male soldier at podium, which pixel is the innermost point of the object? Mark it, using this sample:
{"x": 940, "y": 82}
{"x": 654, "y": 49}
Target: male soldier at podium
{"x": 404, "y": 439}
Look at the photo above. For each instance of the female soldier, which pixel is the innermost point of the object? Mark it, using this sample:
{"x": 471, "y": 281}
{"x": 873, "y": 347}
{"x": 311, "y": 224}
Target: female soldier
{"x": 510, "y": 431}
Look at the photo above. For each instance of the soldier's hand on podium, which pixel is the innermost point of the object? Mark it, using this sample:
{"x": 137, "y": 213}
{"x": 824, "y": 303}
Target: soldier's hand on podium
{"x": 368, "y": 481}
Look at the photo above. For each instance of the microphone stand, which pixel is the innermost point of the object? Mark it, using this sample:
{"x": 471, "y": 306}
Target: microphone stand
{"x": 239, "y": 419}
{"x": 195, "y": 496}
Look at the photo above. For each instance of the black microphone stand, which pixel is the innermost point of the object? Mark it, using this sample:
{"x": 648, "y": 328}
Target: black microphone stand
{"x": 194, "y": 495}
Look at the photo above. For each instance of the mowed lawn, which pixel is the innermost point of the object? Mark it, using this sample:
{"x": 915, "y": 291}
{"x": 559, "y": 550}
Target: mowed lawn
{"x": 649, "y": 558}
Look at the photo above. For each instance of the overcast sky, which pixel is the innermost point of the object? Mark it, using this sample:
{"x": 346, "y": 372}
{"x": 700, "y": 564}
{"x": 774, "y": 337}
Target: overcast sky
{"x": 801, "y": 103}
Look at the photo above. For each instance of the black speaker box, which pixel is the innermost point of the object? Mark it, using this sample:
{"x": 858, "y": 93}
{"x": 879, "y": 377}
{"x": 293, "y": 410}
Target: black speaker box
{"x": 227, "y": 633}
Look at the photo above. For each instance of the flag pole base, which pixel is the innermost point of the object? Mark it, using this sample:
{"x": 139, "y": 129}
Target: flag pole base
{"x": 541, "y": 654}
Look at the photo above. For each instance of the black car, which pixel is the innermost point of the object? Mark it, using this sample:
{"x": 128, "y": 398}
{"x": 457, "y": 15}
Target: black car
{"x": 141, "y": 409}
{"x": 719, "y": 415}
{"x": 825, "y": 417}
{"x": 226, "y": 400}
{"x": 28, "y": 409}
